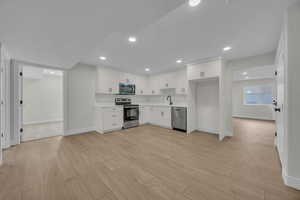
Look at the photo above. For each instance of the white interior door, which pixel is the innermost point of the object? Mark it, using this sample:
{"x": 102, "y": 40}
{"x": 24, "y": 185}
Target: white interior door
{"x": 279, "y": 104}
{"x": 2, "y": 107}
{"x": 17, "y": 103}
{"x": 1, "y": 110}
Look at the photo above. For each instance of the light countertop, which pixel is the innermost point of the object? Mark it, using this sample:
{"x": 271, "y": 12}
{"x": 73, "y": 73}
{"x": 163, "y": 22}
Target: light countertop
{"x": 142, "y": 104}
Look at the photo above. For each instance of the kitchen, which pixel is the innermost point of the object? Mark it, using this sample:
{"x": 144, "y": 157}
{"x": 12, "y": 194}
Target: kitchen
{"x": 154, "y": 100}
{"x": 165, "y": 100}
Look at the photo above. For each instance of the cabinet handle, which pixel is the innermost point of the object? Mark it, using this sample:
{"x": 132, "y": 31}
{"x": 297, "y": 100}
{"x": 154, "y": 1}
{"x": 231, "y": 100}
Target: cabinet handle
{"x": 202, "y": 74}
{"x": 167, "y": 85}
{"x": 153, "y": 91}
{"x": 109, "y": 89}
{"x": 142, "y": 92}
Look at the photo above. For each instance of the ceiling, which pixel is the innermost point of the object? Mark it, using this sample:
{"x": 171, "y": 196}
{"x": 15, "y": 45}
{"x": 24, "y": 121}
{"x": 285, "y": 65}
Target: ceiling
{"x": 64, "y": 32}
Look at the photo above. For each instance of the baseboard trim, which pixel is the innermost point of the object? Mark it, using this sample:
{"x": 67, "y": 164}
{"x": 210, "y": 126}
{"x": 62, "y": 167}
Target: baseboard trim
{"x": 208, "y": 130}
{"x": 291, "y": 181}
{"x": 251, "y": 117}
{"x": 79, "y": 131}
{"x": 43, "y": 122}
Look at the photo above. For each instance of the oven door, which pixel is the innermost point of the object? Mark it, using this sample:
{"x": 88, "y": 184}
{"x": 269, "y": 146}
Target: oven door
{"x": 131, "y": 114}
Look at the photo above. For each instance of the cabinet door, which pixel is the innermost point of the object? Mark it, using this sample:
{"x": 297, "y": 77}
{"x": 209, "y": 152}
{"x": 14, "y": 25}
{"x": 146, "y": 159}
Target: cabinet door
{"x": 141, "y": 88}
{"x": 144, "y": 114}
{"x": 181, "y": 82}
{"x": 154, "y": 114}
{"x": 155, "y": 83}
{"x": 204, "y": 70}
{"x": 165, "y": 117}
{"x": 164, "y": 81}
{"x": 170, "y": 80}
{"x": 128, "y": 78}
{"x": 107, "y": 81}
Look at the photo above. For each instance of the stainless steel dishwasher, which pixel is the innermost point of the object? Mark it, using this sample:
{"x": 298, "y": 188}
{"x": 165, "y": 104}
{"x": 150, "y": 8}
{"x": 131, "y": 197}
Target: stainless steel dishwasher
{"x": 179, "y": 118}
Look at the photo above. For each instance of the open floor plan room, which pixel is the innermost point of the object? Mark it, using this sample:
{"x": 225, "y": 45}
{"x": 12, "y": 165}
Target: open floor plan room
{"x": 149, "y": 100}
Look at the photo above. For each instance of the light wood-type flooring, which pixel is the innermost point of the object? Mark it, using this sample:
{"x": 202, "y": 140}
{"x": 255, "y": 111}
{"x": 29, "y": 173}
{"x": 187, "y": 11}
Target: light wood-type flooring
{"x": 41, "y": 130}
{"x": 148, "y": 163}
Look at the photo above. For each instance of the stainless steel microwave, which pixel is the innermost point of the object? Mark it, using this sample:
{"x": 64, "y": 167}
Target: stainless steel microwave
{"x": 126, "y": 89}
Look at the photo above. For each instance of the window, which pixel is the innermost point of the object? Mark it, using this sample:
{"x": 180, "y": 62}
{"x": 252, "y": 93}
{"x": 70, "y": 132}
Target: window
{"x": 258, "y": 95}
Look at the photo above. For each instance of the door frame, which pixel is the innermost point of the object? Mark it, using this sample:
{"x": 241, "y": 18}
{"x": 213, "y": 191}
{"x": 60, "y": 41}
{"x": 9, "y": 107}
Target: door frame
{"x": 16, "y": 68}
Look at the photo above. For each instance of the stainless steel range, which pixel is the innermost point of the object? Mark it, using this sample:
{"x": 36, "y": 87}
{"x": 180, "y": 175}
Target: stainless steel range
{"x": 131, "y": 112}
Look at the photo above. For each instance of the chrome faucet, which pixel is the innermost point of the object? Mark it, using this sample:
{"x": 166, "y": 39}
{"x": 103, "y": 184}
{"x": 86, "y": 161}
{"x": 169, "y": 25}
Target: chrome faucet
{"x": 170, "y": 100}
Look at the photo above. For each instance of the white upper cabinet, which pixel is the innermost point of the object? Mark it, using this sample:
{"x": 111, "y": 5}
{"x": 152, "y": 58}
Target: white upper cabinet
{"x": 155, "y": 84}
{"x": 128, "y": 78}
{"x": 141, "y": 85}
{"x": 204, "y": 70}
{"x": 181, "y": 82}
{"x": 168, "y": 80}
{"x": 107, "y": 81}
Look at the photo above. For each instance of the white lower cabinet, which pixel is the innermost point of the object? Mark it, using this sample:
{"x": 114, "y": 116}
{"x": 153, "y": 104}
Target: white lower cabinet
{"x": 108, "y": 118}
{"x": 111, "y": 118}
{"x": 144, "y": 117}
{"x": 160, "y": 116}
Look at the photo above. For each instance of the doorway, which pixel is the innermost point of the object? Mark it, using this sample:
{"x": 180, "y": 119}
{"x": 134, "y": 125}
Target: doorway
{"x": 42, "y": 103}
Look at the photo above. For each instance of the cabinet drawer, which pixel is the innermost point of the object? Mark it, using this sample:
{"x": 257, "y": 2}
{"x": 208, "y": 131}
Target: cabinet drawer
{"x": 112, "y": 123}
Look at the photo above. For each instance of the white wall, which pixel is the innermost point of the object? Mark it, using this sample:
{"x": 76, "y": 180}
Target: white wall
{"x": 43, "y": 98}
{"x": 238, "y": 109}
{"x": 208, "y": 107}
{"x": 80, "y": 84}
{"x": 162, "y": 99}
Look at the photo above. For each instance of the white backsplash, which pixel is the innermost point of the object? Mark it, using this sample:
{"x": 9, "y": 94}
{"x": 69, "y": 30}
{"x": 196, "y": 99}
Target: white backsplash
{"x": 176, "y": 99}
{"x": 160, "y": 99}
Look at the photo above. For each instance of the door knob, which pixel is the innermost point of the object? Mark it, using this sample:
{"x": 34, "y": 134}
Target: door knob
{"x": 277, "y": 109}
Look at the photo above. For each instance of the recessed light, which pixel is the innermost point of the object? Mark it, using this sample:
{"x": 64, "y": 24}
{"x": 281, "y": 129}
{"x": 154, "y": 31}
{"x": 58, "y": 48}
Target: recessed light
{"x": 102, "y": 58}
{"x": 147, "y": 70}
{"x": 247, "y": 77}
{"x": 228, "y": 48}
{"x": 245, "y": 73}
{"x": 132, "y": 39}
{"x": 194, "y": 3}
{"x": 179, "y": 61}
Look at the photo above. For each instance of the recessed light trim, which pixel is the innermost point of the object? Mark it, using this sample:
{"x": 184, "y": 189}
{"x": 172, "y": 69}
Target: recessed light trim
{"x": 132, "y": 39}
{"x": 179, "y": 61}
{"x": 147, "y": 69}
{"x": 194, "y": 3}
{"x": 245, "y": 73}
{"x": 102, "y": 58}
{"x": 228, "y": 48}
